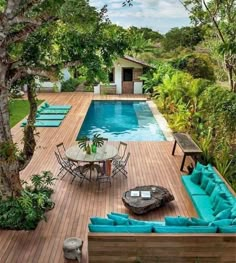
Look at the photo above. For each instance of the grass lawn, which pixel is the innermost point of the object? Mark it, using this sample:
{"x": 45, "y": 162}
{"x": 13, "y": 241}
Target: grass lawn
{"x": 18, "y": 110}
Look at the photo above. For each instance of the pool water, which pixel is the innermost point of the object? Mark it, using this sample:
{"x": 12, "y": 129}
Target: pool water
{"x": 121, "y": 121}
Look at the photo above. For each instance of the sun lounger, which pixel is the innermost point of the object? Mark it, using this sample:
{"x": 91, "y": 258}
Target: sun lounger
{"x": 55, "y": 107}
{"x": 43, "y": 123}
{"x": 57, "y": 117}
{"x": 49, "y": 111}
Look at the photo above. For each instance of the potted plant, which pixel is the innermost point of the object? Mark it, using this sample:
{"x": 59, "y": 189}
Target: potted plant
{"x": 98, "y": 141}
{"x": 84, "y": 144}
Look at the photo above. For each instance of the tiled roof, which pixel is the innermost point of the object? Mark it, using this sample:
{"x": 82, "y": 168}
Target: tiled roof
{"x": 136, "y": 61}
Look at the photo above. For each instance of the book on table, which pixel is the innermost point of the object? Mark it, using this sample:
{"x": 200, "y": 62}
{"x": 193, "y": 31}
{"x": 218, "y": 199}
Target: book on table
{"x": 146, "y": 194}
{"x": 134, "y": 193}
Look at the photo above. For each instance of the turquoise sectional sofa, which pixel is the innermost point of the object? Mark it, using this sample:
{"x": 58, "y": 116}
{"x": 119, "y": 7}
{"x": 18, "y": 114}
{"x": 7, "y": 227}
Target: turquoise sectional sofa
{"x": 214, "y": 203}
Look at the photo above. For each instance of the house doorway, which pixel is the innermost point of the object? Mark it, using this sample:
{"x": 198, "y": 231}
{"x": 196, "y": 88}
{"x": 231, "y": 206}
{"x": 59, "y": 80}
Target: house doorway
{"x": 127, "y": 81}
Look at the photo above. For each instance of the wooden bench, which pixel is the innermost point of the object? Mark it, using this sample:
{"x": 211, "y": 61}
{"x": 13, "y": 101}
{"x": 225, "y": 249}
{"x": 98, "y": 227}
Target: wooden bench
{"x": 187, "y": 145}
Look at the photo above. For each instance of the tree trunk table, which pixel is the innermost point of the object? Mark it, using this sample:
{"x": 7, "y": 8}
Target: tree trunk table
{"x": 139, "y": 205}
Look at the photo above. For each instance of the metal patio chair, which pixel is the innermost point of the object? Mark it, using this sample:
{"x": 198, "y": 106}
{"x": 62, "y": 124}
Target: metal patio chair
{"x": 75, "y": 172}
{"x": 120, "y": 166}
{"x": 121, "y": 152}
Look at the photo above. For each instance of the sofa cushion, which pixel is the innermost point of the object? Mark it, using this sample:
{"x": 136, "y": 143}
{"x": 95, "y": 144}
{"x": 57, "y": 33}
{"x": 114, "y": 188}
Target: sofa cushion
{"x": 203, "y": 207}
{"x": 120, "y": 229}
{"x": 192, "y": 188}
{"x": 227, "y": 229}
{"x": 184, "y": 229}
{"x": 119, "y": 220}
{"x": 176, "y": 221}
{"x": 196, "y": 176}
{"x": 225, "y": 214}
{"x": 218, "y": 198}
{"x": 101, "y": 221}
{"x": 141, "y": 222}
{"x": 206, "y": 177}
{"x": 193, "y": 221}
{"x": 120, "y": 214}
{"x": 210, "y": 187}
{"x": 222, "y": 222}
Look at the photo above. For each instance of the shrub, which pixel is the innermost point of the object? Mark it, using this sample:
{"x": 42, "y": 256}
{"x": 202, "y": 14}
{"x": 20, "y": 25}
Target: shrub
{"x": 69, "y": 85}
{"x": 26, "y": 211}
{"x": 199, "y": 66}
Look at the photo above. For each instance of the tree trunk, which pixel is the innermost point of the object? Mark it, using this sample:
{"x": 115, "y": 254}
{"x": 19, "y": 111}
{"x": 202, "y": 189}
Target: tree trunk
{"x": 10, "y": 184}
{"x": 29, "y": 139}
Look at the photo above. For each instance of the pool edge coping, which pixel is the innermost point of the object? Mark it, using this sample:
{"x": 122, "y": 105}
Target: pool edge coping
{"x": 168, "y": 133}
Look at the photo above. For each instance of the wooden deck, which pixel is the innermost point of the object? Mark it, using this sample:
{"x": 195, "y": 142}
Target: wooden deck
{"x": 150, "y": 163}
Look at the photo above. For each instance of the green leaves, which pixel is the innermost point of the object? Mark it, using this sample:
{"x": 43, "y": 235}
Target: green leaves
{"x": 27, "y": 210}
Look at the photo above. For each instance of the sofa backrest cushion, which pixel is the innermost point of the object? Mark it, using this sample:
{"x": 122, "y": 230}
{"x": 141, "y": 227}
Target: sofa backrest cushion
{"x": 184, "y": 229}
{"x": 118, "y": 219}
{"x": 176, "y": 221}
{"x": 196, "y": 176}
{"x": 210, "y": 187}
{"x": 193, "y": 221}
{"x": 222, "y": 222}
{"x": 102, "y": 221}
{"x": 222, "y": 205}
{"x": 120, "y": 214}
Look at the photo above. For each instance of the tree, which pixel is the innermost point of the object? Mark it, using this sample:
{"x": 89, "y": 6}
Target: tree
{"x": 219, "y": 17}
{"x": 37, "y": 38}
{"x": 182, "y": 37}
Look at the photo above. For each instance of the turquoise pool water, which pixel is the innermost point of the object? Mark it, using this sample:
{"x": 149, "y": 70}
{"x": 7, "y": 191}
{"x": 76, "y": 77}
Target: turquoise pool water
{"x": 121, "y": 121}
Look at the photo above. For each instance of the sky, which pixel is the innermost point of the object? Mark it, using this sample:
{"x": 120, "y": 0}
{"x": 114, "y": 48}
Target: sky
{"x": 160, "y": 15}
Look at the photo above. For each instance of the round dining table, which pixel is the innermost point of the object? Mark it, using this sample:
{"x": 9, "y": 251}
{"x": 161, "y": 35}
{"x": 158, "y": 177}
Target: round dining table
{"x": 104, "y": 153}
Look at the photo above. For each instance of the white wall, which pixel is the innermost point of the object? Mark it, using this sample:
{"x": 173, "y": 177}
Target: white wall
{"x": 53, "y": 86}
{"x": 123, "y": 63}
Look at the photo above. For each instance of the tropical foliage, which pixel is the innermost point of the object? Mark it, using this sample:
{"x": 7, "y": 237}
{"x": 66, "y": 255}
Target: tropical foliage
{"x": 26, "y": 211}
{"x": 204, "y": 110}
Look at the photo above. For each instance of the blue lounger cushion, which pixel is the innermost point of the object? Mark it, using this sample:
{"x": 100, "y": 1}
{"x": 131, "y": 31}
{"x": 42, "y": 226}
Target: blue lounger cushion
{"x": 203, "y": 206}
{"x": 45, "y": 111}
{"x": 192, "y": 188}
{"x": 50, "y": 117}
{"x": 51, "y": 106}
{"x": 43, "y": 123}
{"x": 184, "y": 229}
{"x": 120, "y": 229}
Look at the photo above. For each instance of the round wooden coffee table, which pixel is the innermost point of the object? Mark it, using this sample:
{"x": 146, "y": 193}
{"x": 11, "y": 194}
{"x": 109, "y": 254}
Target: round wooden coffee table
{"x": 138, "y": 202}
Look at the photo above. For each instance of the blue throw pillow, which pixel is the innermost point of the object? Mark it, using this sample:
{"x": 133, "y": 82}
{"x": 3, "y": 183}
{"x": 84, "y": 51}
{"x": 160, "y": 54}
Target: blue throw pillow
{"x": 210, "y": 187}
{"x": 176, "y": 221}
{"x": 227, "y": 229}
{"x": 206, "y": 177}
{"x": 193, "y": 221}
{"x": 222, "y": 205}
{"x": 120, "y": 214}
{"x": 200, "y": 167}
{"x": 233, "y": 222}
{"x": 218, "y": 198}
{"x": 225, "y": 214}
{"x": 222, "y": 222}
{"x": 214, "y": 193}
{"x": 196, "y": 176}
{"x": 101, "y": 221}
{"x": 119, "y": 220}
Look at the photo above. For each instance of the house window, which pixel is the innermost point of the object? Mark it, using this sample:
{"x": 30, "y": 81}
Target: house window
{"x": 111, "y": 76}
{"x": 127, "y": 74}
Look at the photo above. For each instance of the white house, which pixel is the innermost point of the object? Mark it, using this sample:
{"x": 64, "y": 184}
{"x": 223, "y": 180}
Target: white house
{"x": 124, "y": 78}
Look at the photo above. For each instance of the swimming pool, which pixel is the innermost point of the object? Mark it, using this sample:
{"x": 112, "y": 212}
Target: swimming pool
{"x": 121, "y": 121}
